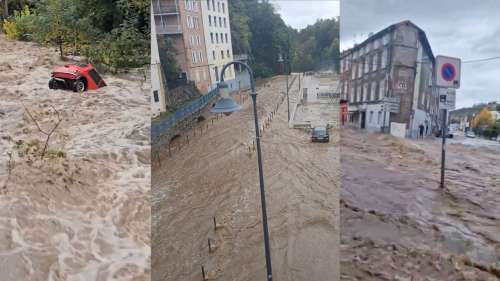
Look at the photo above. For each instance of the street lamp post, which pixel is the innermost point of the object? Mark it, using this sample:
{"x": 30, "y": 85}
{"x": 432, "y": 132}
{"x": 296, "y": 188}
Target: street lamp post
{"x": 282, "y": 61}
{"x": 227, "y": 105}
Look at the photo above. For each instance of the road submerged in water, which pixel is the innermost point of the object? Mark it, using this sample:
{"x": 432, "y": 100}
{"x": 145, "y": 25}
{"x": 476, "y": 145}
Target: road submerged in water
{"x": 397, "y": 224}
{"x": 216, "y": 175}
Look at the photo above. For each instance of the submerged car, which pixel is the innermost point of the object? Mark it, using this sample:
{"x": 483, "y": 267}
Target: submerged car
{"x": 320, "y": 134}
{"x": 78, "y": 78}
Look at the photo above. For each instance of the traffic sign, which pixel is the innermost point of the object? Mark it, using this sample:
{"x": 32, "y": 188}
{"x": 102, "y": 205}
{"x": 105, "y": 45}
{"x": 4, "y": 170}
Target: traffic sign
{"x": 447, "y": 99}
{"x": 448, "y": 72}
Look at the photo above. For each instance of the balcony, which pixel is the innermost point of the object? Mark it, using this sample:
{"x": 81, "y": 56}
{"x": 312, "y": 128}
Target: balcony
{"x": 162, "y": 7}
{"x": 169, "y": 29}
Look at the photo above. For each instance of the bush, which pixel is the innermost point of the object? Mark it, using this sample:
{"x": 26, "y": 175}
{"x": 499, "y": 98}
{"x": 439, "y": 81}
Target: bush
{"x": 124, "y": 47}
{"x": 21, "y": 26}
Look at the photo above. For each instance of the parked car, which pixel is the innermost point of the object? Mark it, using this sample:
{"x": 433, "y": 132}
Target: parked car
{"x": 78, "y": 78}
{"x": 438, "y": 134}
{"x": 320, "y": 134}
{"x": 470, "y": 134}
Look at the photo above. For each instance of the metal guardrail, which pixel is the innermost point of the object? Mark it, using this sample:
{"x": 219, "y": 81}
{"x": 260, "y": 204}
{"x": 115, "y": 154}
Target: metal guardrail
{"x": 157, "y": 128}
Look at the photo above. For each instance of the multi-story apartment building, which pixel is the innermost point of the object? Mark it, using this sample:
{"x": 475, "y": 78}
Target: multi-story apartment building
{"x": 395, "y": 64}
{"x": 217, "y": 30}
{"x": 158, "y": 89}
{"x": 182, "y": 22}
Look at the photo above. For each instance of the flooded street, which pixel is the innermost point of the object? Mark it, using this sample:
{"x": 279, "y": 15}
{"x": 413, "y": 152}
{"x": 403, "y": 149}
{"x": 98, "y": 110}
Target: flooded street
{"x": 215, "y": 175}
{"x": 82, "y": 212}
{"x": 397, "y": 224}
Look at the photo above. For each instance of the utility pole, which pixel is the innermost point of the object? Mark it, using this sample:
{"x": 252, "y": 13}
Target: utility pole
{"x": 443, "y": 146}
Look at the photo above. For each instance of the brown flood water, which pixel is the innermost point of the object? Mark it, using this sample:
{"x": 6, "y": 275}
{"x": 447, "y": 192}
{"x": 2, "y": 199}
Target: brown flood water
{"x": 216, "y": 175}
{"x": 397, "y": 224}
{"x": 86, "y": 215}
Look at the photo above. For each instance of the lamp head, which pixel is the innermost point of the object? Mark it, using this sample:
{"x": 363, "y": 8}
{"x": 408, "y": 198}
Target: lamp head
{"x": 226, "y": 104}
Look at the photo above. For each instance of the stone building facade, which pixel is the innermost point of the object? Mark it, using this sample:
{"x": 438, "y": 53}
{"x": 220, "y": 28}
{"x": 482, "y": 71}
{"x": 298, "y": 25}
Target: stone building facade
{"x": 396, "y": 63}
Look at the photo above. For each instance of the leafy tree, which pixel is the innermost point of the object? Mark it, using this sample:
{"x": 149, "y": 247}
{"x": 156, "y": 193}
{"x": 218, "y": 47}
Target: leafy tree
{"x": 483, "y": 119}
{"x": 257, "y": 30}
{"x": 169, "y": 64}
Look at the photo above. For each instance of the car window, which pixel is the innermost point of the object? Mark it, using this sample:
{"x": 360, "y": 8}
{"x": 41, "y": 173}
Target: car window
{"x": 95, "y": 76}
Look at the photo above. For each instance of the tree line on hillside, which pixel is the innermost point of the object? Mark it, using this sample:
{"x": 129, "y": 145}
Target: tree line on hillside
{"x": 110, "y": 34}
{"x": 257, "y": 30}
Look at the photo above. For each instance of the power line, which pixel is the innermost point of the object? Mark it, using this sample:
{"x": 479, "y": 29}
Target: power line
{"x": 480, "y": 60}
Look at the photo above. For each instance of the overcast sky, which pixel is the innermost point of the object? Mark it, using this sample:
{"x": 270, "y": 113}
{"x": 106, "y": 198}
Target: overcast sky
{"x": 301, "y": 13}
{"x": 459, "y": 28}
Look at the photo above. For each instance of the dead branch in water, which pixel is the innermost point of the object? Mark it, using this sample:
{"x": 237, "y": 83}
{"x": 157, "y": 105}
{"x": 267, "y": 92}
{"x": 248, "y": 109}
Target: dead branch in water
{"x": 10, "y": 167}
{"x": 47, "y": 133}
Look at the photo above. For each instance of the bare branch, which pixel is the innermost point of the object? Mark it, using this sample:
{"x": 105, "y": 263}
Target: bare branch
{"x": 48, "y": 134}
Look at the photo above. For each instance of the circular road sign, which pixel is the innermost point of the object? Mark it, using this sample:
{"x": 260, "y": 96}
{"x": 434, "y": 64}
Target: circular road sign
{"x": 448, "y": 72}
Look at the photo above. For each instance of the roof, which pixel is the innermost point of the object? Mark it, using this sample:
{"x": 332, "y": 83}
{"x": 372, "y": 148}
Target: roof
{"x": 421, "y": 36}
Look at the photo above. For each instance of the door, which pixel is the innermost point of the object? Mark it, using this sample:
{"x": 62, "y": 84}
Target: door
{"x": 363, "y": 119}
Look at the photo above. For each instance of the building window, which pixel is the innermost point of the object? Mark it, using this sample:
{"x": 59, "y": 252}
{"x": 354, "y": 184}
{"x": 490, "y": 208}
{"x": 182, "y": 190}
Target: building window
{"x": 217, "y": 38}
{"x": 225, "y": 22}
{"x": 222, "y": 54}
{"x": 359, "y": 94}
{"x": 228, "y": 55}
{"x": 374, "y": 90}
{"x": 386, "y": 39}
{"x": 384, "y": 58}
{"x": 215, "y": 21}
{"x": 155, "y": 96}
{"x": 377, "y": 90}
{"x": 216, "y": 70}
{"x": 209, "y": 20}
{"x": 208, "y": 5}
{"x": 354, "y": 69}
{"x": 382, "y": 89}
{"x": 379, "y": 117}
{"x": 221, "y": 38}
{"x": 365, "y": 93}
{"x": 213, "y": 5}
{"x": 213, "y": 54}
{"x": 226, "y": 38}
{"x": 218, "y": 7}
{"x": 220, "y": 21}
{"x": 223, "y": 8}
{"x": 212, "y": 37}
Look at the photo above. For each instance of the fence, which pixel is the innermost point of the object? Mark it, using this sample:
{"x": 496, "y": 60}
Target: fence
{"x": 157, "y": 128}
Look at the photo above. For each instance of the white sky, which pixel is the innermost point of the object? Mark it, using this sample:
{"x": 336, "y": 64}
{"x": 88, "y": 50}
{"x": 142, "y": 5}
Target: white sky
{"x": 301, "y": 13}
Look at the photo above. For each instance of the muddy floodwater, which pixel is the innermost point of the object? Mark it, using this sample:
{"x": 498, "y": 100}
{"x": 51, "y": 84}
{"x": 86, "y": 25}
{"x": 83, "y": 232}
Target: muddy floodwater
{"x": 397, "y": 224}
{"x": 216, "y": 175}
{"x": 82, "y": 212}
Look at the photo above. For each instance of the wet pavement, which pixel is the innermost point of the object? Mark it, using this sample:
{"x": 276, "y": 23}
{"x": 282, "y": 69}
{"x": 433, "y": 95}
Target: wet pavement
{"x": 397, "y": 224}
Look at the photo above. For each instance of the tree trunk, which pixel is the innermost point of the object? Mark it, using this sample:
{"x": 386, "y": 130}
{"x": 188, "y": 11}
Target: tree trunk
{"x": 5, "y": 9}
{"x": 61, "y": 48}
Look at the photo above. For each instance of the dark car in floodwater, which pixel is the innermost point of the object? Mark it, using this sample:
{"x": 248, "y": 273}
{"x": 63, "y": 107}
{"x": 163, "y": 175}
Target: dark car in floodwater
{"x": 320, "y": 134}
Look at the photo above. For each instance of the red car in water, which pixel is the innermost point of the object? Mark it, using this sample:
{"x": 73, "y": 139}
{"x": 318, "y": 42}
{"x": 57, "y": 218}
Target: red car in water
{"x": 78, "y": 78}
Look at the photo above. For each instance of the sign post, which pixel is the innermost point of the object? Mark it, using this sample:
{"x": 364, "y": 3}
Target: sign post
{"x": 448, "y": 77}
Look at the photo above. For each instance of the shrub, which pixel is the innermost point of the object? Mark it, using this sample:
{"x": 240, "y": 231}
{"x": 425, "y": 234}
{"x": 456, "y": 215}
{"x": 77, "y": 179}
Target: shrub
{"x": 21, "y": 26}
{"x": 124, "y": 47}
